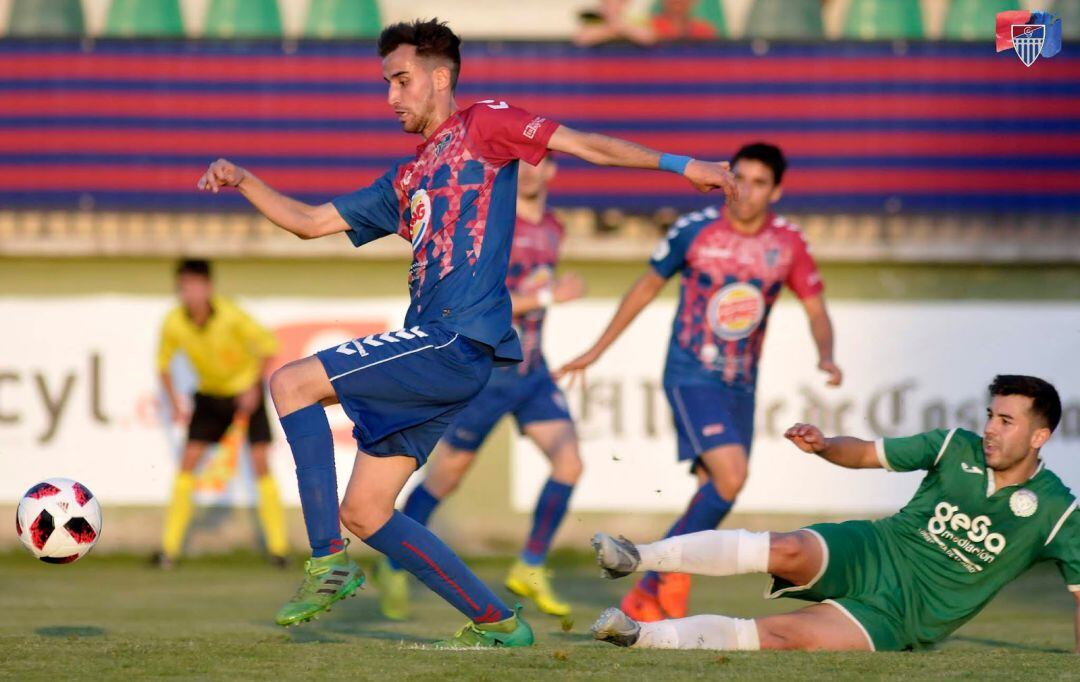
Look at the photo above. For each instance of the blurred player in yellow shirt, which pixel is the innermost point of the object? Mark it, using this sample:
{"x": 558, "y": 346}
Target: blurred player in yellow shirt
{"x": 228, "y": 351}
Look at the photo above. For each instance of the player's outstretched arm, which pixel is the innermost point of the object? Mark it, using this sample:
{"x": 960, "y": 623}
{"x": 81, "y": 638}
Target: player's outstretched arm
{"x": 845, "y": 451}
{"x": 303, "y": 220}
{"x": 612, "y": 151}
{"x": 640, "y": 295}
{"x": 822, "y": 330}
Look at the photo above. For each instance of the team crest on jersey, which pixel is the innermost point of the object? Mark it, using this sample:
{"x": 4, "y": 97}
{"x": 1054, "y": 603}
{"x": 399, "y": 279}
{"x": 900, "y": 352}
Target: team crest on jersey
{"x": 444, "y": 140}
{"x": 735, "y": 311}
{"x": 1023, "y": 503}
{"x": 772, "y": 257}
{"x": 419, "y": 217}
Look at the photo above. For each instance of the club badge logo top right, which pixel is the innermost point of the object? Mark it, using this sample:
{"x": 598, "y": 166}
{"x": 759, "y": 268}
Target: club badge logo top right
{"x": 1030, "y": 34}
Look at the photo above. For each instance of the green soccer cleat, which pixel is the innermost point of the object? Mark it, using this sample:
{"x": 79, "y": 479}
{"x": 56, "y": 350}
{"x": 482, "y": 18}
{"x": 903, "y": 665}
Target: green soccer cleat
{"x": 512, "y": 632}
{"x": 326, "y": 580}
{"x": 393, "y": 586}
{"x": 531, "y": 582}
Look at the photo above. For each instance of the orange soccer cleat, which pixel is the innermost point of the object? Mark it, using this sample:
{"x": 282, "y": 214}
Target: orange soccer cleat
{"x": 641, "y": 606}
{"x": 673, "y": 594}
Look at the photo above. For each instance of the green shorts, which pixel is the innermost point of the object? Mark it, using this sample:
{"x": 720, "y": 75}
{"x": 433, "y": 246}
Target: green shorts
{"x": 862, "y": 577}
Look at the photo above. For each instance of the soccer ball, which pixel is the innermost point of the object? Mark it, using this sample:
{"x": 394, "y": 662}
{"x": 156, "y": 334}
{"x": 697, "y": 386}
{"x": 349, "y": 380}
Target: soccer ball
{"x": 58, "y": 520}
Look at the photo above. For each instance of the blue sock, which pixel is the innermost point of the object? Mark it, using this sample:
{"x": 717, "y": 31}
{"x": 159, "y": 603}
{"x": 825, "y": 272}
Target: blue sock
{"x": 418, "y": 507}
{"x": 550, "y": 509}
{"x": 707, "y": 509}
{"x": 308, "y": 433}
{"x": 417, "y": 550}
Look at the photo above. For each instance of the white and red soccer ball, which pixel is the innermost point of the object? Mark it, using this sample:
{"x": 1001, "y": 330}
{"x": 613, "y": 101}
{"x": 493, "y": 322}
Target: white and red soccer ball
{"x": 58, "y": 520}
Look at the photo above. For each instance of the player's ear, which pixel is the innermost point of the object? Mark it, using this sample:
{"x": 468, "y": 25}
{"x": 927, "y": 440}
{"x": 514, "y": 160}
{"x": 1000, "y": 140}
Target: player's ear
{"x": 1039, "y": 438}
{"x": 550, "y": 168}
{"x": 776, "y": 193}
{"x": 440, "y": 75}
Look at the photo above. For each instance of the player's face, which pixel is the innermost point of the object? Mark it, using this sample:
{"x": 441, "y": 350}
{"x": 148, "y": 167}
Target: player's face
{"x": 1012, "y": 431}
{"x": 194, "y": 291}
{"x": 414, "y": 85}
{"x": 757, "y": 189}
{"x": 533, "y": 180}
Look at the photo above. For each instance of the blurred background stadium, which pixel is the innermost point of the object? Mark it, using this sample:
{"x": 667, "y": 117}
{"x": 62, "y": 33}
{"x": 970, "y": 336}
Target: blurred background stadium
{"x": 938, "y": 182}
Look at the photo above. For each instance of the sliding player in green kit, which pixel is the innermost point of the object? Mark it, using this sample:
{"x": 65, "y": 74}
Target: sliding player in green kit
{"x": 986, "y": 511}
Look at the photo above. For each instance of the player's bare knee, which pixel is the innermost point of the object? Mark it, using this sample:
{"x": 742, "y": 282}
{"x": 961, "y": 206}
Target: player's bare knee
{"x": 786, "y": 552}
{"x": 363, "y": 520}
{"x": 778, "y": 634}
{"x": 729, "y": 482}
{"x": 566, "y": 466}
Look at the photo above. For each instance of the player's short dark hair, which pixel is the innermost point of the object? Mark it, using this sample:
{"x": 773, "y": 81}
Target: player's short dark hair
{"x": 432, "y": 38}
{"x": 193, "y": 266}
{"x": 768, "y": 154}
{"x": 1045, "y": 402}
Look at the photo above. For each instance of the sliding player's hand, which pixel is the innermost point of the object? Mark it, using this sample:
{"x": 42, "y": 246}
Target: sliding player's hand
{"x": 806, "y": 437}
{"x": 576, "y": 368}
{"x": 221, "y": 173}
{"x": 707, "y": 176}
{"x": 833, "y": 370}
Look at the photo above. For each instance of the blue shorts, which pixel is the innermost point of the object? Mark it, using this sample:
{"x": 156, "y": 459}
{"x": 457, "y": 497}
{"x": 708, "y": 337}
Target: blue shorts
{"x": 708, "y": 416}
{"x": 533, "y": 397}
{"x": 401, "y": 389}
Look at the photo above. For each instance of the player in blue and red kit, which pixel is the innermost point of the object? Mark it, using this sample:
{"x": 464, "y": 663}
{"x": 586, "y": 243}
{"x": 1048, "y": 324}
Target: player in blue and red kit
{"x": 734, "y": 262}
{"x": 454, "y": 201}
{"x": 525, "y": 390}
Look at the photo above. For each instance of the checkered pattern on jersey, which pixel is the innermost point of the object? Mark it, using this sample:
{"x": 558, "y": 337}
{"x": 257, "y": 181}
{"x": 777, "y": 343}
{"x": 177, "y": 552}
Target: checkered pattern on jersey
{"x": 533, "y": 258}
{"x": 729, "y": 285}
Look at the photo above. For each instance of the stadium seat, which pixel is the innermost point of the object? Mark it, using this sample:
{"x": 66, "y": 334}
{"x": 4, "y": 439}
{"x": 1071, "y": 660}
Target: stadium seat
{"x": 343, "y": 19}
{"x": 243, "y": 19}
{"x": 140, "y": 18}
{"x": 883, "y": 19}
{"x": 1069, "y": 12}
{"x": 785, "y": 19}
{"x": 711, "y": 11}
{"x": 974, "y": 19}
{"x": 46, "y": 18}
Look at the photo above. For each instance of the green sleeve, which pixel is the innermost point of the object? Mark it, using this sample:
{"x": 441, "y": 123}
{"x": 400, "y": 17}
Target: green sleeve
{"x": 1063, "y": 547}
{"x": 913, "y": 452}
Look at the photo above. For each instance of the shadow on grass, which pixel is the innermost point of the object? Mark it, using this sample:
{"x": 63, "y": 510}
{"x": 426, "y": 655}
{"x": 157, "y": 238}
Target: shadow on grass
{"x": 70, "y": 631}
{"x": 1001, "y": 644}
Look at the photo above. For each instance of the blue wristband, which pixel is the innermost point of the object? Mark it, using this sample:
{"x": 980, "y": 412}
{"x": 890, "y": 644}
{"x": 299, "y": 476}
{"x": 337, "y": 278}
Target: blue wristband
{"x": 674, "y": 163}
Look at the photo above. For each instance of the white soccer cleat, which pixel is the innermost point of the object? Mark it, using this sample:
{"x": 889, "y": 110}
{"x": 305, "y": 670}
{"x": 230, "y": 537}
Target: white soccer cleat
{"x": 616, "y": 627}
{"x": 617, "y": 556}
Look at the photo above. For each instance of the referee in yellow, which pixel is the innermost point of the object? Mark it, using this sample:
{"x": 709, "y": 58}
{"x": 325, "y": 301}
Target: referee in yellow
{"x": 228, "y": 350}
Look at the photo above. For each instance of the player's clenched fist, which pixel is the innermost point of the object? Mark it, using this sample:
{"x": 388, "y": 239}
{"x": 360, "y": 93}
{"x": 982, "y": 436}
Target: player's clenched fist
{"x": 806, "y": 437}
{"x": 707, "y": 176}
{"x": 221, "y": 173}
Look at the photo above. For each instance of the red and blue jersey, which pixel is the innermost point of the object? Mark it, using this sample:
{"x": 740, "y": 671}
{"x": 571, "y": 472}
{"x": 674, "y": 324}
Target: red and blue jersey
{"x": 456, "y": 202}
{"x": 533, "y": 258}
{"x": 730, "y": 282}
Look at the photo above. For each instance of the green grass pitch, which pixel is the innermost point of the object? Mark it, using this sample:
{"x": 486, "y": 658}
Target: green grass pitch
{"x": 116, "y": 618}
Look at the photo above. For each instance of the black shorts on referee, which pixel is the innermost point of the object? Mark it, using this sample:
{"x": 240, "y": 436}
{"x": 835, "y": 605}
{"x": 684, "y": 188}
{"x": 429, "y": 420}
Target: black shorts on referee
{"x": 213, "y": 415}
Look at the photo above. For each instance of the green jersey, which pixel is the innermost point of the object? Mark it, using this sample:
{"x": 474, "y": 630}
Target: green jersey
{"x": 962, "y": 537}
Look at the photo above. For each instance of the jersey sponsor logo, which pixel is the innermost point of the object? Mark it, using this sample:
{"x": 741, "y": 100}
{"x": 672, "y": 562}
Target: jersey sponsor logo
{"x": 735, "y": 311}
{"x": 419, "y": 217}
{"x": 1023, "y": 503}
{"x": 964, "y": 538}
{"x": 533, "y": 126}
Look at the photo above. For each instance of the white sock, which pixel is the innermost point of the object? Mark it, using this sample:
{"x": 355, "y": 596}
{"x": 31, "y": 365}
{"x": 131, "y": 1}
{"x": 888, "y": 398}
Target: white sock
{"x": 709, "y": 552}
{"x": 700, "y": 632}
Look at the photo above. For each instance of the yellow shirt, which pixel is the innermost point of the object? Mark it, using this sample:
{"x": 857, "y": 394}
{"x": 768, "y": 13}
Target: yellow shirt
{"x": 227, "y": 352}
